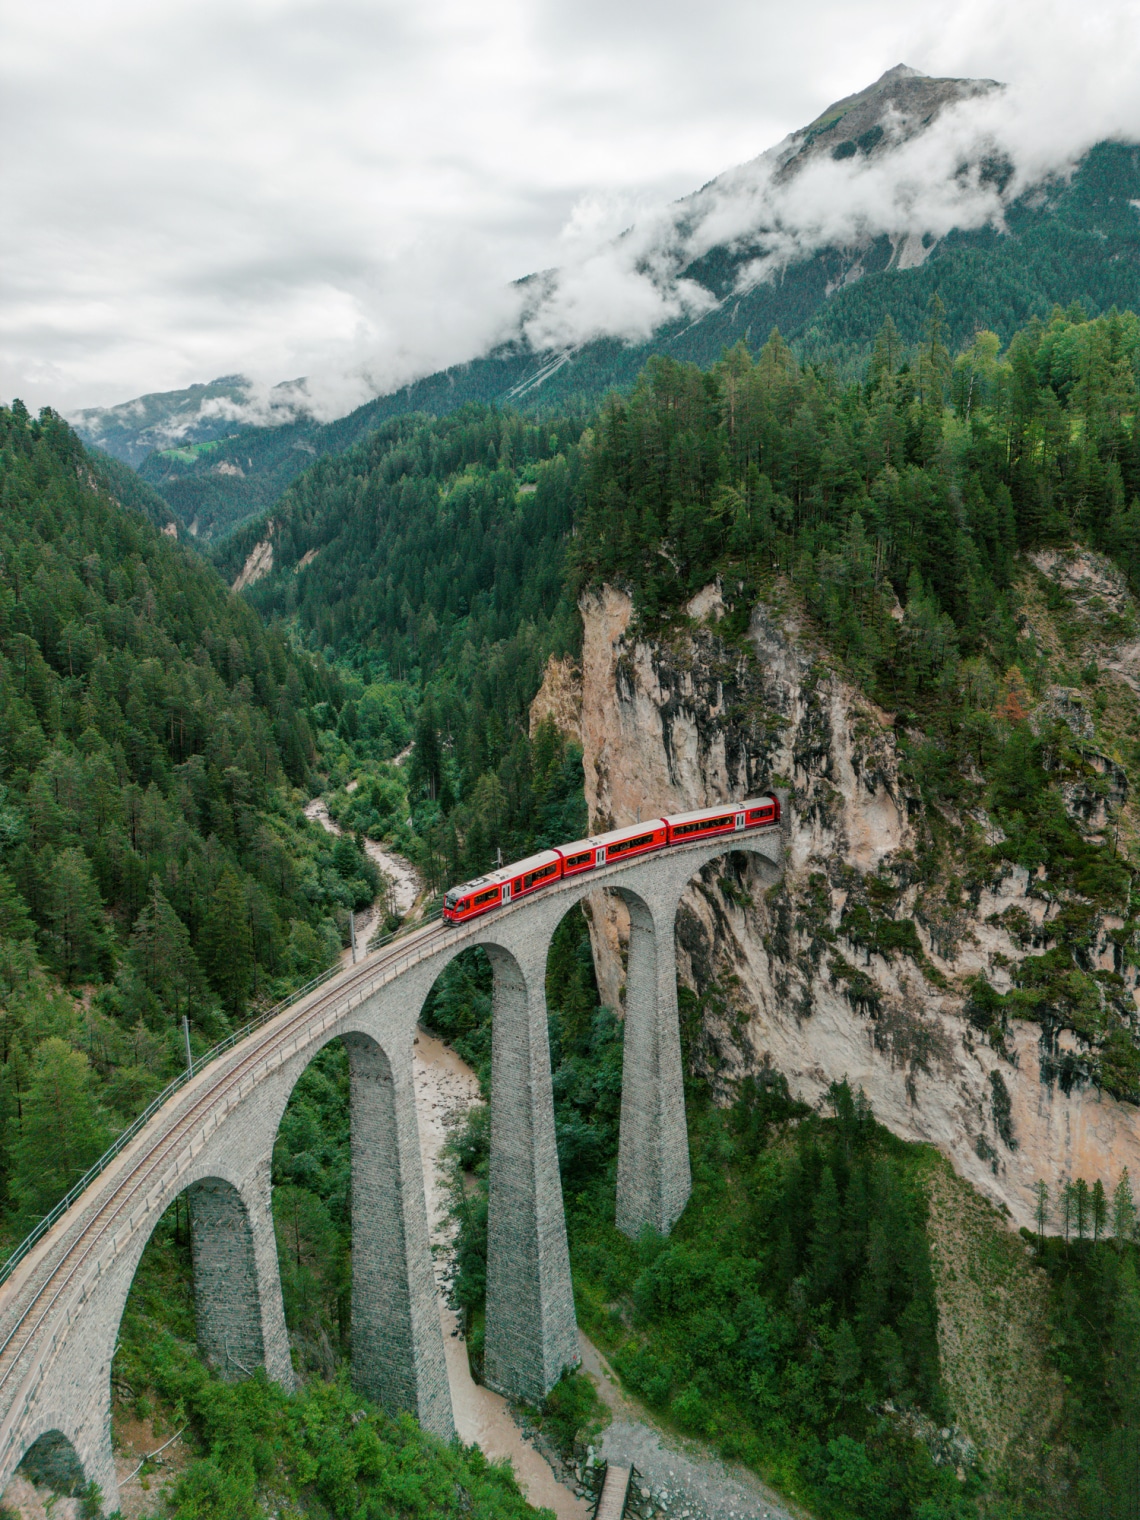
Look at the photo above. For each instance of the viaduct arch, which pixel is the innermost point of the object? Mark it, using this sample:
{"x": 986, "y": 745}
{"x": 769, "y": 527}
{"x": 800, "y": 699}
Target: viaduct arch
{"x": 213, "y": 1140}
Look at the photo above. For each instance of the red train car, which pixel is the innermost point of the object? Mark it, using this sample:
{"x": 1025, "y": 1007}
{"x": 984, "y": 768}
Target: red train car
{"x": 637, "y": 839}
{"x": 732, "y": 818}
{"x": 537, "y": 871}
{"x": 582, "y": 855}
{"x": 471, "y": 899}
{"x": 502, "y": 886}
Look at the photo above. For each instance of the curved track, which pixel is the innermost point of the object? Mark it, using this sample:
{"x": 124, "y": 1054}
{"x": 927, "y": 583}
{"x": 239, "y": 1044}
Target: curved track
{"x": 141, "y": 1169}
{"x": 49, "y": 1287}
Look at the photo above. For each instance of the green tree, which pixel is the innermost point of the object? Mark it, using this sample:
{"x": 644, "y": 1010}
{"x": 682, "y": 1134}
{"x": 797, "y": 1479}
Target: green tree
{"x": 1123, "y": 1211}
{"x": 227, "y": 944}
{"x": 826, "y": 1253}
{"x": 1098, "y": 1208}
{"x": 1041, "y": 1207}
{"x": 1082, "y": 1207}
{"x": 846, "y": 1360}
{"x": 162, "y": 957}
{"x": 79, "y": 938}
{"x": 61, "y": 1129}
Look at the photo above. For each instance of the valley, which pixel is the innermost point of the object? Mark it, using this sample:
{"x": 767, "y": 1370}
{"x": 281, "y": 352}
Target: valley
{"x": 1015, "y": 252}
{"x": 905, "y": 1286}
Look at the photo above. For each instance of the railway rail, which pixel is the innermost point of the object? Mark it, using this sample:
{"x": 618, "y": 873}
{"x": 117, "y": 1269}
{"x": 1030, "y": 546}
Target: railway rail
{"x": 47, "y": 1281}
{"x": 36, "y": 1299}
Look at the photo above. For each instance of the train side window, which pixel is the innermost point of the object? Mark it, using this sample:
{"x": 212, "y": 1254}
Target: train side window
{"x": 485, "y": 897}
{"x": 579, "y": 860}
{"x": 630, "y": 844}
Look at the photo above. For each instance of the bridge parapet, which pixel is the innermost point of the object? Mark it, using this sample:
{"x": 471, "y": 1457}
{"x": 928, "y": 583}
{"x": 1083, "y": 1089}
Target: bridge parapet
{"x": 60, "y": 1310}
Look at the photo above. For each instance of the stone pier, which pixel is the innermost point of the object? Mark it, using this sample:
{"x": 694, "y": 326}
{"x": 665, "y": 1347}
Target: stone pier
{"x": 397, "y": 1350}
{"x": 653, "y": 1176}
{"x": 532, "y": 1333}
{"x": 61, "y": 1308}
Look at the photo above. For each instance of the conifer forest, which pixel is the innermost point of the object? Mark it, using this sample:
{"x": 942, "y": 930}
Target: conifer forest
{"x": 161, "y": 737}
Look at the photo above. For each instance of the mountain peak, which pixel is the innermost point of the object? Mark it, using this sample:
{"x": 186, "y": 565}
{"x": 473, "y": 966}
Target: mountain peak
{"x": 856, "y": 124}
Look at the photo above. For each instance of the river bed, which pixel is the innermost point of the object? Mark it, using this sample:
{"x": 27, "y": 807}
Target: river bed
{"x": 446, "y": 1089}
{"x": 406, "y": 884}
{"x": 687, "y": 1481}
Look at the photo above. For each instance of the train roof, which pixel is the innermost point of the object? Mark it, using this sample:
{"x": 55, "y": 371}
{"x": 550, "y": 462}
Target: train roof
{"x": 517, "y": 867}
{"x": 576, "y": 847}
{"x": 719, "y": 808}
{"x": 647, "y": 825}
{"x": 464, "y": 887}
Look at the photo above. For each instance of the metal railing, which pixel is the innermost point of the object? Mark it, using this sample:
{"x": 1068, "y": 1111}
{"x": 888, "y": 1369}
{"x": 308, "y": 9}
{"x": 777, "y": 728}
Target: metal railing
{"x": 196, "y": 1065}
{"x": 433, "y": 914}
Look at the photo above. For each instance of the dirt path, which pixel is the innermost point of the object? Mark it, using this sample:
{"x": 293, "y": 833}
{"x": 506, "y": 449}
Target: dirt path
{"x": 685, "y": 1480}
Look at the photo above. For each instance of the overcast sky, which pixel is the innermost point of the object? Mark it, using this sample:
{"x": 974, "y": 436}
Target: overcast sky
{"x": 190, "y": 188}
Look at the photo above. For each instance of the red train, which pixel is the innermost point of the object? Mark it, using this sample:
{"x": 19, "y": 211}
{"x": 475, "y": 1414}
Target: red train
{"x": 537, "y": 871}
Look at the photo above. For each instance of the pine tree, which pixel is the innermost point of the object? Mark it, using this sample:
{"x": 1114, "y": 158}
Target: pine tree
{"x": 826, "y": 1250}
{"x": 846, "y": 1360}
{"x": 1081, "y": 1207}
{"x": 1099, "y": 1209}
{"x": 1041, "y": 1207}
{"x": 60, "y": 1131}
{"x": 886, "y": 356}
{"x": 227, "y": 945}
{"x": 162, "y": 957}
{"x": 1123, "y": 1211}
{"x": 1067, "y": 1208}
{"x": 80, "y": 940}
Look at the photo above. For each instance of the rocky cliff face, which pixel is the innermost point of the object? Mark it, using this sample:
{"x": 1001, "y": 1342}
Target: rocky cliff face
{"x": 858, "y": 964}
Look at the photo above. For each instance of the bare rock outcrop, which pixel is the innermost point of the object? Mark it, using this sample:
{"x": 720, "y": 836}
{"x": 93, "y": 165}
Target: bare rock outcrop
{"x": 859, "y": 964}
{"x": 559, "y": 699}
{"x": 259, "y": 560}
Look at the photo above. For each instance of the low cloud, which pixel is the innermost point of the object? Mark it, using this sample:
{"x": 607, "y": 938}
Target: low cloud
{"x": 963, "y": 172}
{"x": 350, "y": 191}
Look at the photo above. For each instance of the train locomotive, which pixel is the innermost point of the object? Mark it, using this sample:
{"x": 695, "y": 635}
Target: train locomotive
{"x": 509, "y": 883}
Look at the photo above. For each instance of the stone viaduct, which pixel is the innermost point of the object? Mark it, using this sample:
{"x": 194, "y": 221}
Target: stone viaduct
{"x": 213, "y": 1140}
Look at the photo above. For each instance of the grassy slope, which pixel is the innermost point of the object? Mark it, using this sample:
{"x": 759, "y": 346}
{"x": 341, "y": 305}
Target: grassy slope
{"x": 993, "y": 1325}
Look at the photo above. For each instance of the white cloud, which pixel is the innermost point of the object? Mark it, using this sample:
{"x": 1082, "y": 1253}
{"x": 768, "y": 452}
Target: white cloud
{"x": 346, "y": 189}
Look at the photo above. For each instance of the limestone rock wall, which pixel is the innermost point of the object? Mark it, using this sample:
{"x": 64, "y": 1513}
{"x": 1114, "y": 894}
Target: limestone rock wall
{"x": 785, "y": 981}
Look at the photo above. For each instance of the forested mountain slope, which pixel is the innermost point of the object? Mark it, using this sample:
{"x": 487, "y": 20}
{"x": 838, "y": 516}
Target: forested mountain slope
{"x": 152, "y": 861}
{"x": 155, "y": 865}
{"x": 939, "y": 671}
{"x": 908, "y": 599}
{"x": 915, "y": 613}
{"x": 430, "y": 560}
{"x": 1066, "y": 240}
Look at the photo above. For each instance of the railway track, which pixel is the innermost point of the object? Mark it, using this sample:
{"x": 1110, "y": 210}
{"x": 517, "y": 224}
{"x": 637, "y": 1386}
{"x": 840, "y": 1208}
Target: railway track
{"x": 45, "y": 1288}
{"x": 38, "y": 1294}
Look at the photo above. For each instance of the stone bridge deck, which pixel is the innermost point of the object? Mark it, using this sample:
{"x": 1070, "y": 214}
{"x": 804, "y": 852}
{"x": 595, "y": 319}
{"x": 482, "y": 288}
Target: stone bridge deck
{"x": 60, "y": 1310}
